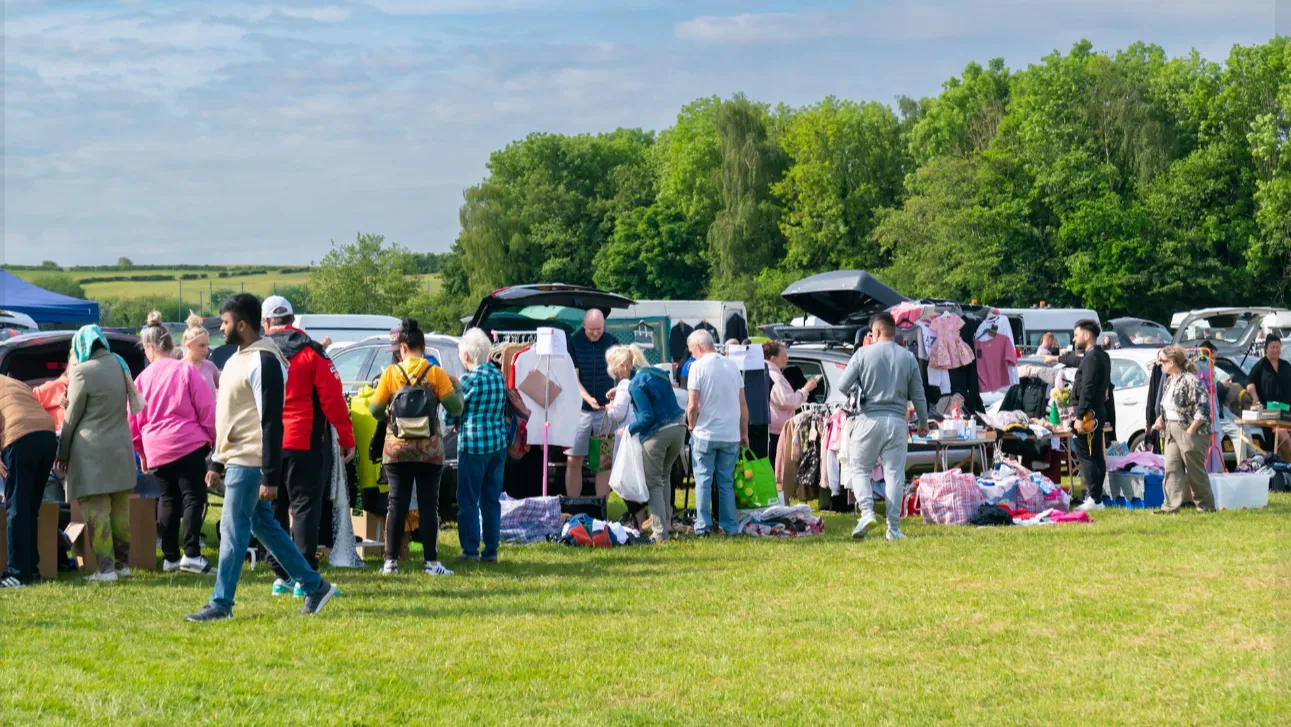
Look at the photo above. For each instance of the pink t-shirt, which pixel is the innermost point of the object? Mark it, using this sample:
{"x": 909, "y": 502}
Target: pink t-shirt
{"x": 178, "y": 416}
{"x": 994, "y": 356}
{"x": 211, "y": 374}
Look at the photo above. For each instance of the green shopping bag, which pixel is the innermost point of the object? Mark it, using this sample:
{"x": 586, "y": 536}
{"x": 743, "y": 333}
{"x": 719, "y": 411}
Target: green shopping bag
{"x": 754, "y": 482}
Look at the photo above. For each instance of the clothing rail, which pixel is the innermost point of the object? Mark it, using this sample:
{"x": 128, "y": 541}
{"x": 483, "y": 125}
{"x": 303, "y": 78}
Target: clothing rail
{"x": 514, "y": 336}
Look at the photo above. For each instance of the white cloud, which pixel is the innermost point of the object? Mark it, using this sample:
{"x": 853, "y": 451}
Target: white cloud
{"x": 447, "y": 7}
{"x": 763, "y": 27}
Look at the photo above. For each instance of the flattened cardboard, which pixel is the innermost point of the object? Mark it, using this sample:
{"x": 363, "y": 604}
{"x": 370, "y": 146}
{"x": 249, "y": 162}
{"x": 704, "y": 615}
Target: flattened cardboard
{"x": 539, "y": 388}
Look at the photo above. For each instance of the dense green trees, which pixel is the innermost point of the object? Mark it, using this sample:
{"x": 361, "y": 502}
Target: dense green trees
{"x": 1128, "y": 182}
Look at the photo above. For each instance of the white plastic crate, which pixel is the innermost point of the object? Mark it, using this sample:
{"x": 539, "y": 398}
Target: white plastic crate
{"x": 1240, "y": 491}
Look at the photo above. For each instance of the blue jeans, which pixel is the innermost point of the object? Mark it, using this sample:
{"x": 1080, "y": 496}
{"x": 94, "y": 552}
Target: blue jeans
{"x": 245, "y": 514}
{"x": 715, "y": 462}
{"x": 479, "y": 495}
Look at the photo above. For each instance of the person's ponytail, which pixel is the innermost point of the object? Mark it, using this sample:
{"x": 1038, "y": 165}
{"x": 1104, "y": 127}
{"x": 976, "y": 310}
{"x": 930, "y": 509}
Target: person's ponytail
{"x": 411, "y": 335}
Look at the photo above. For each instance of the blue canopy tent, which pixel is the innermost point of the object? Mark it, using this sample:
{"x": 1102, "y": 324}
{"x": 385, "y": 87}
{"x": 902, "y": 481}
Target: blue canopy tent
{"x": 42, "y": 305}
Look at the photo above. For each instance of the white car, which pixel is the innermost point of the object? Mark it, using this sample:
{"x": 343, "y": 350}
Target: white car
{"x": 13, "y": 323}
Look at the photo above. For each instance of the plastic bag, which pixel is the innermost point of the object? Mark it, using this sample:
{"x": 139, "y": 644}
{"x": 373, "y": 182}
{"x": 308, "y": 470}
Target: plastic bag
{"x": 627, "y": 476}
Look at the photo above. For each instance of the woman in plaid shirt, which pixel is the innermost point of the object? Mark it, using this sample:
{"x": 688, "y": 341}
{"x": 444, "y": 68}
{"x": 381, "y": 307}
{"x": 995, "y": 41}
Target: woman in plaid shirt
{"x": 481, "y": 449}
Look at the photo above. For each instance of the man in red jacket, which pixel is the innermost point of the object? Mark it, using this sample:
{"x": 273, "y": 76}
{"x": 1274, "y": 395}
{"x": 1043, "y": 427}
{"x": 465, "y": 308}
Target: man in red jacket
{"x": 314, "y": 398}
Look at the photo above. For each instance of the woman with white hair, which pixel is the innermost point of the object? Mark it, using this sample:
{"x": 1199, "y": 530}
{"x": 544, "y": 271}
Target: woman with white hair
{"x": 660, "y": 423}
{"x": 481, "y": 449}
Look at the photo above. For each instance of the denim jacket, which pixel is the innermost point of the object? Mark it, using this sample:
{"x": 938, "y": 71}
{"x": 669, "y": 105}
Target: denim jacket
{"x": 654, "y": 402}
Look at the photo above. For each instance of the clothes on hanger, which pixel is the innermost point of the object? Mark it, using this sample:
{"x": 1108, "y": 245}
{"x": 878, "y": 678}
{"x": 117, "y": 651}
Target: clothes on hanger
{"x": 949, "y": 351}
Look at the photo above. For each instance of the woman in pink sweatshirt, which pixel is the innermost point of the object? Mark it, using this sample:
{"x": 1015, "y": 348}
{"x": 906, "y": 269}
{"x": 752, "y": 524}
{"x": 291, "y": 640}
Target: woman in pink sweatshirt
{"x": 785, "y": 402}
{"x": 174, "y": 434}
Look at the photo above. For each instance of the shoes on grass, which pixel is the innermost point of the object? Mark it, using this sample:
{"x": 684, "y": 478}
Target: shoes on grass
{"x": 208, "y": 613}
{"x": 864, "y": 526}
{"x": 468, "y": 558}
{"x": 1090, "y": 505}
{"x": 896, "y": 535}
{"x": 315, "y": 601}
{"x": 197, "y": 566}
{"x": 435, "y": 568}
{"x": 109, "y": 577}
{"x": 170, "y": 566}
{"x": 11, "y": 582}
{"x": 298, "y": 591}
{"x": 390, "y": 568}
{"x": 281, "y": 587}
{"x": 124, "y": 572}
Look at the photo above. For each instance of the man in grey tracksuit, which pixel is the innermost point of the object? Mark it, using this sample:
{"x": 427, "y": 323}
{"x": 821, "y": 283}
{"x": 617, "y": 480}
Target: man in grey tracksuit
{"x": 887, "y": 378}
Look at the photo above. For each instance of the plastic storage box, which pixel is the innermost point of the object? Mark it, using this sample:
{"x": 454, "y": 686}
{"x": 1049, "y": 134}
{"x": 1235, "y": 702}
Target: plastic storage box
{"x": 1240, "y": 491}
{"x": 1129, "y": 489}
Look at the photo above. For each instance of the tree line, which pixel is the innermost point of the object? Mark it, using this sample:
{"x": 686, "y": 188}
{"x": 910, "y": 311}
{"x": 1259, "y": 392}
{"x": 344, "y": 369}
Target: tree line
{"x": 1129, "y": 182}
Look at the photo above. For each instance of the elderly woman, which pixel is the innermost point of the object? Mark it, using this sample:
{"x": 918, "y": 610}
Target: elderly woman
{"x": 174, "y": 433}
{"x": 660, "y": 424}
{"x": 1183, "y": 414}
{"x": 96, "y": 449}
{"x": 481, "y": 449}
{"x": 785, "y": 402}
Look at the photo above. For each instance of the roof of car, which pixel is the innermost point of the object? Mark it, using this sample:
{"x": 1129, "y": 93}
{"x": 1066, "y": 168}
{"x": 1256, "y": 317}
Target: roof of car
{"x": 38, "y": 338}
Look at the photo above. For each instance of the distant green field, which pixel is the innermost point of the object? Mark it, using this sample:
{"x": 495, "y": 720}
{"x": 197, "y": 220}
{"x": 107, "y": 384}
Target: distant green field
{"x": 196, "y": 293}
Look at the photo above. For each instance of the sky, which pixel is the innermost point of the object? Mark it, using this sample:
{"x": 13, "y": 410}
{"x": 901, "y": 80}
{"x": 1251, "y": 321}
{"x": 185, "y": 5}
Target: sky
{"x": 260, "y": 132}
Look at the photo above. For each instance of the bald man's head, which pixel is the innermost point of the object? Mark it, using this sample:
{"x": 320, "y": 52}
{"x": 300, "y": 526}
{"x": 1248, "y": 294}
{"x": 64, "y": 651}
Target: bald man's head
{"x": 594, "y": 325}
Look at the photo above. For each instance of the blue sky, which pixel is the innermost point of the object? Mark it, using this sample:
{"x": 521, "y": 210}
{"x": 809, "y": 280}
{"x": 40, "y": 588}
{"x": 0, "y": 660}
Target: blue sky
{"x": 242, "y": 132}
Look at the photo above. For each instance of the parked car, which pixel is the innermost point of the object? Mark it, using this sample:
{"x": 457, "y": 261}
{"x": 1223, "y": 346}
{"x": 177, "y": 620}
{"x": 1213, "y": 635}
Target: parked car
{"x": 344, "y": 329}
{"x": 35, "y": 358}
{"x": 13, "y": 323}
{"x": 1137, "y": 333}
{"x": 1236, "y": 333}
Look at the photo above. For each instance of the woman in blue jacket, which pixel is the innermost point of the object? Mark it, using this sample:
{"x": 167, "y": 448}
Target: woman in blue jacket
{"x": 661, "y": 425}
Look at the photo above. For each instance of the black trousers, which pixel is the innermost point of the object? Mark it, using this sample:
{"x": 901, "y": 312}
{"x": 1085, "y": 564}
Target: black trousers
{"x": 29, "y": 460}
{"x": 302, "y": 496}
{"x": 403, "y": 476}
{"x": 772, "y": 446}
{"x": 1091, "y": 453}
{"x": 183, "y": 497}
{"x": 760, "y": 439}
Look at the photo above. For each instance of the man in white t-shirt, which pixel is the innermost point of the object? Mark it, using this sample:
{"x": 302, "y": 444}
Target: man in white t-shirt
{"x": 718, "y": 417}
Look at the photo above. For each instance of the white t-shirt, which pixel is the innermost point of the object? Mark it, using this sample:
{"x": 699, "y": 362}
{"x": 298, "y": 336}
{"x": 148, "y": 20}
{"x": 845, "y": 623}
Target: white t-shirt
{"x": 718, "y": 381}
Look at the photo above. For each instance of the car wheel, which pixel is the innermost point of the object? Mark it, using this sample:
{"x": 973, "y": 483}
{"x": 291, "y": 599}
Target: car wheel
{"x": 1139, "y": 443}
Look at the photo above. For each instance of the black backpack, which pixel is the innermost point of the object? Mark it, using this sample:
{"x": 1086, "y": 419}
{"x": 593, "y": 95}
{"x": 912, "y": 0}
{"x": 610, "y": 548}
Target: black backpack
{"x": 413, "y": 412}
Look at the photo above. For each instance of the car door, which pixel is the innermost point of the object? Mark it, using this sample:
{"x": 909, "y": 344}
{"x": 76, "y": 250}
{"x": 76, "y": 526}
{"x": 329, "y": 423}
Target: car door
{"x": 801, "y": 370}
{"x": 1130, "y": 381}
{"x": 352, "y": 366}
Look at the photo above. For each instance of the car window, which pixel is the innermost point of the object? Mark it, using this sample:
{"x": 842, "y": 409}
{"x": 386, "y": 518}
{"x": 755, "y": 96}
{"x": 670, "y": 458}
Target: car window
{"x": 352, "y": 365}
{"x": 1143, "y": 333}
{"x": 1127, "y": 375}
{"x": 799, "y": 371}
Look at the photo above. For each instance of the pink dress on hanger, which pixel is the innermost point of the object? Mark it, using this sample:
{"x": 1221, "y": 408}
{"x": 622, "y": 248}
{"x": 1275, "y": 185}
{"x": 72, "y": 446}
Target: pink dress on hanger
{"x": 949, "y": 352}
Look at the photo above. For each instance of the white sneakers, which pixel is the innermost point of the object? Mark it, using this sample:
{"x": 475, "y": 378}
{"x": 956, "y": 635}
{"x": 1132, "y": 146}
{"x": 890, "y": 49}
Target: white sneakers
{"x": 110, "y": 577}
{"x": 436, "y": 569}
{"x": 1089, "y": 505}
{"x": 864, "y": 525}
{"x": 896, "y": 535}
{"x": 170, "y": 566}
{"x": 123, "y": 572}
{"x": 198, "y": 566}
{"x": 390, "y": 568}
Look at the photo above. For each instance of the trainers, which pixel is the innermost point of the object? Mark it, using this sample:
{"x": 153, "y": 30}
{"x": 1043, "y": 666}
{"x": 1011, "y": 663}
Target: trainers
{"x": 197, "y": 566}
{"x": 11, "y": 582}
{"x": 208, "y": 613}
{"x": 435, "y": 568}
{"x": 390, "y": 568}
{"x": 298, "y": 591}
{"x": 123, "y": 572}
{"x": 281, "y": 587}
{"x": 109, "y": 577}
{"x": 864, "y": 525}
{"x": 467, "y": 558}
{"x": 315, "y": 601}
{"x": 1089, "y": 505}
{"x": 896, "y": 535}
{"x": 169, "y": 566}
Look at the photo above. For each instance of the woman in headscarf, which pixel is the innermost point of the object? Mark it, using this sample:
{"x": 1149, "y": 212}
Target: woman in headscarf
{"x": 96, "y": 450}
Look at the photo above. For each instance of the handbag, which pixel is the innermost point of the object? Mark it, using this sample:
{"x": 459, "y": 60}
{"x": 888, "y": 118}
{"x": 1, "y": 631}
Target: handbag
{"x": 754, "y": 482}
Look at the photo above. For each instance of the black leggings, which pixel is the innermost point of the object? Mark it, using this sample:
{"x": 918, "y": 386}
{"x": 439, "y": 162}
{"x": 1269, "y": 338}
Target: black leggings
{"x": 183, "y": 496}
{"x": 403, "y": 476}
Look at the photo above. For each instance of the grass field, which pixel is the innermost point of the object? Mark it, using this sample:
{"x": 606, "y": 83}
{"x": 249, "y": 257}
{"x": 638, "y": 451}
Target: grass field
{"x": 1136, "y": 620}
{"x": 196, "y": 293}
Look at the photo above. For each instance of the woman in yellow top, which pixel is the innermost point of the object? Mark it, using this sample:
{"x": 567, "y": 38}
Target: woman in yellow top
{"x": 414, "y": 445}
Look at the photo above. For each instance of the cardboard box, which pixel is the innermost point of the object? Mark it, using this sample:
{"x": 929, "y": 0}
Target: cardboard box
{"x": 370, "y": 532}
{"x": 143, "y": 535}
{"x": 46, "y": 540}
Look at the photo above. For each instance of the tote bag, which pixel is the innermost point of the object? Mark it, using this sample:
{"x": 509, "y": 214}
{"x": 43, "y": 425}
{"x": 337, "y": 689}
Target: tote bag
{"x": 754, "y": 482}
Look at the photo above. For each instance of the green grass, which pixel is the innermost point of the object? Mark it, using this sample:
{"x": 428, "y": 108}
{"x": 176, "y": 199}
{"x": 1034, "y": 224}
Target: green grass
{"x": 1136, "y": 619}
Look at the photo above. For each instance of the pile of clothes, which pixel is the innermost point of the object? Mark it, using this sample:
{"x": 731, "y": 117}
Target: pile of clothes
{"x": 530, "y": 520}
{"x": 1279, "y": 470}
{"x": 955, "y": 497}
{"x": 779, "y": 521}
{"x": 584, "y": 531}
{"x": 994, "y": 515}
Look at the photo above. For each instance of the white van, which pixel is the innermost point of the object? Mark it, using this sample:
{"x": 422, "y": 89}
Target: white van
{"x": 344, "y": 329}
{"x": 728, "y": 317}
{"x": 1030, "y": 324}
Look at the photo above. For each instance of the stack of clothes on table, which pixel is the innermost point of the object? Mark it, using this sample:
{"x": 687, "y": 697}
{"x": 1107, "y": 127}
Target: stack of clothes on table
{"x": 780, "y": 521}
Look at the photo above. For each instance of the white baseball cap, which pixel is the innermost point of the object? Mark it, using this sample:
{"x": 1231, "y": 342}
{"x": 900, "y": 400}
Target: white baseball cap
{"x": 275, "y": 306}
